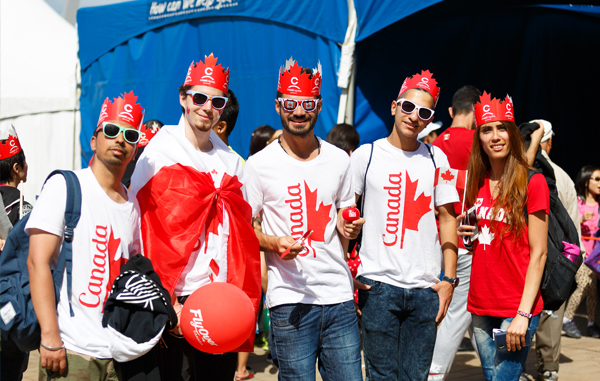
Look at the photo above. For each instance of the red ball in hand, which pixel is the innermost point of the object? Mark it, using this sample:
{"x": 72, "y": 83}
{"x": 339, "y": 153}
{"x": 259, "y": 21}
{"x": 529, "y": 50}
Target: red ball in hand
{"x": 217, "y": 318}
{"x": 351, "y": 214}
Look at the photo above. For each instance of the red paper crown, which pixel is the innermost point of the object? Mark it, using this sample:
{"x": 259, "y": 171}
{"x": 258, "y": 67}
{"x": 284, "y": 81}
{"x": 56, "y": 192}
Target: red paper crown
{"x": 148, "y": 131}
{"x": 208, "y": 73}
{"x": 9, "y": 142}
{"x": 123, "y": 109}
{"x": 423, "y": 81}
{"x": 293, "y": 82}
{"x": 492, "y": 110}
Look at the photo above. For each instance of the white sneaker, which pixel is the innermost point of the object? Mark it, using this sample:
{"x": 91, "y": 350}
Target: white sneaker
{"x": 549, "y": 375}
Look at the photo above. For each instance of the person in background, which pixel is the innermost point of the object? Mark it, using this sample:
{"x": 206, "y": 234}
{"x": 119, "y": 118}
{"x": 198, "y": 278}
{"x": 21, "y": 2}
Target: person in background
{"x": 456, "y": 142}
{"x": 13, "y": 171}
{"x": 260, "y": 138}
{"x": 344, "y": 136}
{"x": 587, "y": 186}
{"x": 547, "y": 336}
{"x": 429, "y": 134}
{"x": 148, "y": 130}
{"x": 509, "y": 253}
{"x": 226, "y": 123}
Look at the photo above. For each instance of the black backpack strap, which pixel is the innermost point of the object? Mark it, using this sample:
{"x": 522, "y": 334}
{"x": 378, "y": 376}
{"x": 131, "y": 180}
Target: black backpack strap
{"x": 362, "y": 206}
{"x": 72, "y": 214}
{"x": 430, "y": 154}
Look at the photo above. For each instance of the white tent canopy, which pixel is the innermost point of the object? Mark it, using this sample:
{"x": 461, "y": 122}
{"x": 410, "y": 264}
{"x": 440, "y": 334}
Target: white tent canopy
{"x": 38, "y": 87}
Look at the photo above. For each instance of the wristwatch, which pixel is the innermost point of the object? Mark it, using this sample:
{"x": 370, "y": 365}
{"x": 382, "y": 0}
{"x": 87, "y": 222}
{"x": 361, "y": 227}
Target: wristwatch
{"x": 452, "y": 281}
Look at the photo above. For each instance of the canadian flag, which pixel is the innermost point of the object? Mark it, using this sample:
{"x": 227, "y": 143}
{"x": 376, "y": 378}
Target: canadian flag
{"x": 454, "y": 177}
{"x": 448, "y": 176}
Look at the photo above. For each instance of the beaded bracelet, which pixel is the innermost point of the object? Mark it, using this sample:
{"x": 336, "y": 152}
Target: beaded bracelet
{"x": 524, "y": 314}
{"x": 53, "y": 348}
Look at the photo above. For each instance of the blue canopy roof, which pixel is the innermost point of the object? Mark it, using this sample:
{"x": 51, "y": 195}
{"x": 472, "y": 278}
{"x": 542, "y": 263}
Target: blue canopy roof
{"x": 103, "y": 28}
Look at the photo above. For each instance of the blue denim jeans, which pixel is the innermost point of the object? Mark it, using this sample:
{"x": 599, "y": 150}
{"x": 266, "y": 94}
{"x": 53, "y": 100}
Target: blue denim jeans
{"x": 499, "y": 365}
{"x": 399, "y": 330}
{"x": 303, "y": 333}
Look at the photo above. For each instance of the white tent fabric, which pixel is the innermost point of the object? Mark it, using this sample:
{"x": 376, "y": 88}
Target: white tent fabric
{"x": 38, "y": 87}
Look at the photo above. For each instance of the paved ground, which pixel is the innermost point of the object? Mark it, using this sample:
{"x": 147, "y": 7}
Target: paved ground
{"x": 579, "y": 361}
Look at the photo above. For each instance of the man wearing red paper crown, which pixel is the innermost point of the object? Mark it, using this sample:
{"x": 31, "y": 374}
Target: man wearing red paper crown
{"x": 73, "y": 340}
{"x": 300, "y": 185}
{"x": 401, "y": 249}
{"x": 196, "y": 226}
{"x": 13, "y": 171}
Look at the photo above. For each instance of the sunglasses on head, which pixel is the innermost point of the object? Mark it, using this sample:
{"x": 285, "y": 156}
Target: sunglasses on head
{"x": 408, "y": 107}
{"x": 200, "y": 99}
{"x": 111, "y": 131}
{"x": 291, "y": 104}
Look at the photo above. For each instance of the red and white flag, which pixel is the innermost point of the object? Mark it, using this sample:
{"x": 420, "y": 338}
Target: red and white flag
{"x": 453, "y": 177}
{"x": 180, "y": 205}
{"x": 448, "y": 176}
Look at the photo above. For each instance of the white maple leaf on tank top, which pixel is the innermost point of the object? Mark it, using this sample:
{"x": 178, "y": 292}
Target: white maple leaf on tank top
{"x": 485, "y": 236}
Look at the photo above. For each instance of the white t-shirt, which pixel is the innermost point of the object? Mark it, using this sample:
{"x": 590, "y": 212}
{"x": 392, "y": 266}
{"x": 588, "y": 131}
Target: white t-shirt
{"x": 198, "y": 271}
{"x": 106, "y": 235}
{"x": 400, "y": 244}
{"x": 294, "y": 197}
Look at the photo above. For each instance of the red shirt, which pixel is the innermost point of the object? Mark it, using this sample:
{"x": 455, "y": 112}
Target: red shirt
{"x": 456, "y": 142}
{"x": 500, "y": 265}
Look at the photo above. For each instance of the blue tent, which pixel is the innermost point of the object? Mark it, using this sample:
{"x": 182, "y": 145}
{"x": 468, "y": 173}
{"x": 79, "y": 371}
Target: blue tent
{"x": 147, "y": 47}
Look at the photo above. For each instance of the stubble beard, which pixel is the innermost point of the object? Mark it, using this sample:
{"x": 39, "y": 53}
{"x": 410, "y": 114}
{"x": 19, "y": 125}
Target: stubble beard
{"x": 285, "y": 124}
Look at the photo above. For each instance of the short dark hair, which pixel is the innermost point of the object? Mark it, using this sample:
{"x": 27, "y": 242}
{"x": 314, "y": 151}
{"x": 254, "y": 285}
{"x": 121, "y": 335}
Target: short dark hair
{"x": 183, "y": 89}
{"x": 464, "y": 99}
{"x": 6, "y": 166}
{"x": 344, "y": 136}
{"x": 260, "y": 137}
{"x": 230, "y": 112}
{"x": 583, "y": 179}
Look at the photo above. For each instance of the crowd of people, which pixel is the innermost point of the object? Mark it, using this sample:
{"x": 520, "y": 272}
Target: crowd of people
{"x": 423, "y": 264}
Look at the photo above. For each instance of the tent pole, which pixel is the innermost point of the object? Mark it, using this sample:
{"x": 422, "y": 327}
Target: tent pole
{"x": 349, "y": 117}
{"x": 345, "y": 73}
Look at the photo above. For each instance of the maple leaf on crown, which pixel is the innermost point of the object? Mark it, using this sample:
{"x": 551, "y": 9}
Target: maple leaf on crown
{"x": 423, "y": 81}
{"x": 414, "y": 210}
{"x": 485, "y": 236}
{"x": 447, "y": 176}
{"x": 317, "y": 216}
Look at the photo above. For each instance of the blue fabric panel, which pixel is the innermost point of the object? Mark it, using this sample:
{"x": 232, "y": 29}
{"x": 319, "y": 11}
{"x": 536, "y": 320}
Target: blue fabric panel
{"x": 375, "y": 15}
{"x": 541, "y": 56}
{"x": 103, "y": 28}
{"x": 154, "y": 64}
{"x": 592, "y": 10}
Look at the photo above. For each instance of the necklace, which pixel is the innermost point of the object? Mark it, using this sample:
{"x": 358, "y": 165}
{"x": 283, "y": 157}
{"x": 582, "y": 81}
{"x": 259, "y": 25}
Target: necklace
{"x": 495, "y": 187}
{"x": 318, "y": 145}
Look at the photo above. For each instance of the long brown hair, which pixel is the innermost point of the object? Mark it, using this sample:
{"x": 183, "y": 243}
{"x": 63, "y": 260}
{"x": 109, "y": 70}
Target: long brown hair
{"x": 513, "y": 181}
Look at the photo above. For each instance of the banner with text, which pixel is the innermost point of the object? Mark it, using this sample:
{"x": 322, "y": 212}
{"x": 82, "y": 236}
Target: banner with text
{"x": 184, "y": 9}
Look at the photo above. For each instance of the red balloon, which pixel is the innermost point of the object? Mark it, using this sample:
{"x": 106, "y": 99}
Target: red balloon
{"x": 217, "y": 318}
{"x": 351, "y": 214}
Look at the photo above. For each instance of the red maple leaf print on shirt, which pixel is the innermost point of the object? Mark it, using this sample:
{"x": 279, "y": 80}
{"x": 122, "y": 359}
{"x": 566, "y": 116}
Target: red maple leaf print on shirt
{"x": 115, "y": 261}
{"x": 413, "y": 209}
{"x": 317, "y": 217}
{"x": 447, "y": 176}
